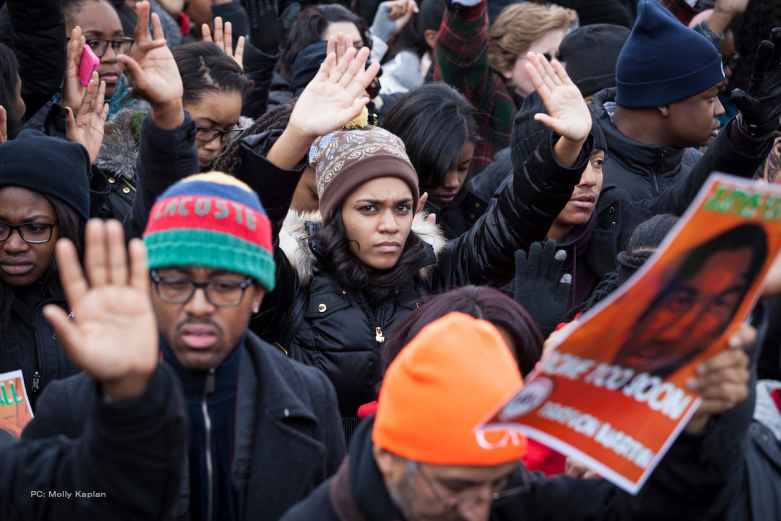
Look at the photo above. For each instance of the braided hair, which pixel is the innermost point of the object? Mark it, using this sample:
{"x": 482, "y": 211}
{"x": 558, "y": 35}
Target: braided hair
{"x": 753, "y": 26}
{"x": 273, "y": 119}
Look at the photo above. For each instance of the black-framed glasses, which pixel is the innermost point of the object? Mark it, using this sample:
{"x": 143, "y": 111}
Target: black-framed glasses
{"x": 495, "y": 499}
{"x": 120, "y": 45}
{"x": 223, "y": 293}
{"x": 34, "y": 233}
{"x": 208, "y": 134}
{"x": 732, "y": 61}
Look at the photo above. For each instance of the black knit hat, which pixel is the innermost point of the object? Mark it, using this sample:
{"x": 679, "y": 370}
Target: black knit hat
{"x": 528, "y": 133}
{"x": 591, "y": 54}
{"x": 49, "y": 166}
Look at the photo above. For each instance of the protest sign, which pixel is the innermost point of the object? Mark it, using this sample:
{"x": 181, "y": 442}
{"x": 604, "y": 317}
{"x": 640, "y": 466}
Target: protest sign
{"x": 612, "y": 393}
{"x": 15, "y": 411}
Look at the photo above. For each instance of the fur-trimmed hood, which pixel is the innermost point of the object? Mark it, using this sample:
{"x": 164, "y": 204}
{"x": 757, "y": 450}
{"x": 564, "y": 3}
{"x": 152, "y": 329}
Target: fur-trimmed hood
{"x": 294, "y": 242}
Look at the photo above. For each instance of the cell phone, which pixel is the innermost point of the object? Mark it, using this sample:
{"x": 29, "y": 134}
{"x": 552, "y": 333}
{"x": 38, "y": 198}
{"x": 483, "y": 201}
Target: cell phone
{"x": 89, "y": 64}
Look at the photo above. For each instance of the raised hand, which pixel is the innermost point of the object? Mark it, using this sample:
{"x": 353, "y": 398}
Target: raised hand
{"x": 568, "y": 114}
{"x": 333, "y": 98}
{"x": 155, "y": 74}
{"x": 537, "y": 285}
{"x": 112, "y": 334}
{"x": 72, "y": 89}
{"x": 722, "y": 380}
{"x": 224, "y": 40}
{"x": 760, "y": 107}
{"x": 87, "y": 127}
{"x": 338, "y": 45}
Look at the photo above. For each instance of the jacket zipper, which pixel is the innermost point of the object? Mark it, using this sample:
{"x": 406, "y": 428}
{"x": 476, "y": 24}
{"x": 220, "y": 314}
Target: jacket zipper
{"x": 38, "y": 359}
{"x": 208, "y": 425}
{"x": 656, "y": 174}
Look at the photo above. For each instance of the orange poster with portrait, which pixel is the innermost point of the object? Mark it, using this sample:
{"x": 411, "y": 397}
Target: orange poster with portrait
{"x": 612, "y": 392}
{"x": 15, "y": 411}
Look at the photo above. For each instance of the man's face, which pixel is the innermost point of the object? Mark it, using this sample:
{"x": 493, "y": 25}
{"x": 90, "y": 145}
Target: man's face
{"x": 426, "y": 492}
{"x": 584, "y": 197}
{"x": 692, "y": 315}
{"x": 200, "y": 334}
{"x": 693, "y": 122}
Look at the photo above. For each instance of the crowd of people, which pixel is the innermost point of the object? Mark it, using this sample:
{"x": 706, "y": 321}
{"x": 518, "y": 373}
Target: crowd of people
{"x": 277, "y": 260}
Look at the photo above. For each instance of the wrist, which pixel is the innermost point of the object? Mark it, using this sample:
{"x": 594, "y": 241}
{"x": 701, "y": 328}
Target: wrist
{"x": 126, "y": 387}
{"x": 168, "y": 115}
{"x": 290, "y": 148}
{"x": 567, "y": 150}
{"x": 697, "y": 423}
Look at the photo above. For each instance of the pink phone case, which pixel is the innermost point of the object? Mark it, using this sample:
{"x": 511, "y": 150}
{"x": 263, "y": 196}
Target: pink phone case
{"x": 89, "y": 64}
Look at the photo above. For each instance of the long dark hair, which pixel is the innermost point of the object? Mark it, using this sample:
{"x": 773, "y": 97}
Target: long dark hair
{"x": 9, "y": 75}
{"x": 71, "y": 226}
{"x": 435, "y": 122}
{"x": 204, "y": 68}
{"x": 480, "y": 302}
{"x": 353, "y": 274}
{"x": 308, "y": 29}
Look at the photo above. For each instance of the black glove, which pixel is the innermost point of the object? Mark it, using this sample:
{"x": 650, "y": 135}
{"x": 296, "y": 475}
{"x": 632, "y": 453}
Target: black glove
{"x": 760, "y": 107}
{"x": 266, "y": 28}
{"x": 537, "y": 285}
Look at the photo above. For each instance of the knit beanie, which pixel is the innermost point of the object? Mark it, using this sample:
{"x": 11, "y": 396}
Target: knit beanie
{"x": 215, "y": 221}
{"x": 346, "y": 159}
{"x": 664, "y": 61}
{"x": 591, "y": 53}
{"x": 439, "y": 389}
{"x": 528, "y": 133}
{"x": 49, "y": 166}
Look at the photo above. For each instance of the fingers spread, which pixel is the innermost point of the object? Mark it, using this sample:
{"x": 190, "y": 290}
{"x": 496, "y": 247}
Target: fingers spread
{"x": 95, "y": 255}
{"x": 206, "y": 32}
{"x": 71, "y": 276}
{"x": 142, "y": 26}
{"x": 139, "y": 269}
{"x": 117, "y": 255}
{"x": 158, "y": 27}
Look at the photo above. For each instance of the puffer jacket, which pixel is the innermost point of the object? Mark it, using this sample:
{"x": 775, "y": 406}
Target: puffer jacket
{"x": 314, "y": 319}
{"x": 31, "y": 345}
{"x": 643, "y": 170}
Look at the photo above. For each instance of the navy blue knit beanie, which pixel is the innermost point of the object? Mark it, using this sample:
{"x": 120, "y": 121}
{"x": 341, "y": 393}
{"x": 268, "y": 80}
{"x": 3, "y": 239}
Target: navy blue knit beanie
{"x": 664, "y": 61}
{"x": 47, "y": 165}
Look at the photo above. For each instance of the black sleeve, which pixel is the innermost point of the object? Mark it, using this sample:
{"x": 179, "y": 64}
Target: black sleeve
{"x": 259, "y": 67}
{"x": 39, "y": 44}
{"x": 722, "y": 156}
{"x": 63, "y": 408}
{"x": 132, "y": 451}
{"x": 164, "y": 157}
{"x": 522, "y": 214}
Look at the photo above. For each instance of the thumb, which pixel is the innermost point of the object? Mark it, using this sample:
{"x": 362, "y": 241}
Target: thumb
{"x": 132, "y": 67}
{"x": 742, "y": 100}
{"x": 70, "y": 125}
{"x": 66, "y": 330}
{"x": 520, "y": 265}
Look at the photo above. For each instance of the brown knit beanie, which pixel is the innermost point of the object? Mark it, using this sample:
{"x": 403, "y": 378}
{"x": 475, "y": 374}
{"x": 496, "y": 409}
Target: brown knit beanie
{"x": 345, "y": 159}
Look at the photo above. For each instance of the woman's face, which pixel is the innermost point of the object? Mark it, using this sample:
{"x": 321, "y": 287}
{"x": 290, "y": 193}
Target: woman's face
{"x": 218, "y": 111}
{"x": 305, "y": 198}
{"x": 517, "y": 76}
{"x": 23, "y": 263}
{"x": 444, "y": 194}
{"x": 98, "y": 20}
{"x": 377, "y": 219}
{"x": 348, "y": 29}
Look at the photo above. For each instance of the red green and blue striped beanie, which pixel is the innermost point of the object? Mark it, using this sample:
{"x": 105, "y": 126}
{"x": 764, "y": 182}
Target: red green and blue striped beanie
{"x": 211, "y": 220}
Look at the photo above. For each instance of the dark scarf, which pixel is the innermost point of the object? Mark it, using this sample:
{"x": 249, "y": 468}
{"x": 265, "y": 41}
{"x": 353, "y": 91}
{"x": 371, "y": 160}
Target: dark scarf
{"x": 583, "y": 279}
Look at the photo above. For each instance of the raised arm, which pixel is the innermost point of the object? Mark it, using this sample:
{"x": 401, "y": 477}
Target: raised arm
{"x": 540, "y": 189}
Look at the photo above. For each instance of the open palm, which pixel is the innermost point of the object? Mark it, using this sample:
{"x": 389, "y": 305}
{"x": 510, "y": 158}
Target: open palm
{"x": 87, "y": 127}
{"x": 155, "y": 74}
{"x": 113, "y": 331}
{"x": 331, "y": 100}
{"x": 568, "y": 114}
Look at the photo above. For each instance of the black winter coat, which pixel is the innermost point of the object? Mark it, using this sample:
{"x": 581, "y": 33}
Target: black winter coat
{"x": 341, "y": 332}
{"x": 461, "y": 214}
{"x": 31, "y": 345}
{"x": 644, "y": 171}
{"x": 682, "y": 487}
{"x": 288, "y": 433}
{"x": 132, "y": 451}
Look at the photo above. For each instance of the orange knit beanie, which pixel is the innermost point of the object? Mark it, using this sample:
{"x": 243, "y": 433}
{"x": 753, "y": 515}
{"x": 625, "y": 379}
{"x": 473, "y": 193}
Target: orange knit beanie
{"x": 443, "y": 383}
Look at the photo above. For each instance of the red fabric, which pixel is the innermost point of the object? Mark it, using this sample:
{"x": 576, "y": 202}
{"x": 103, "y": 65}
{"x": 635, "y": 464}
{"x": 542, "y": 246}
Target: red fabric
{"x": 776, "y": 395}
{"x": 542, "y": 457}
{"x": 367, "y": 409}
{"x": 184, "y": 24}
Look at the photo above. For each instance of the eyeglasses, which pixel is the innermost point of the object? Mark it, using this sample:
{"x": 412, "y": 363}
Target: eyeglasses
{"x": 120, "y": 45}
{"x": 495, "y": 499}
{"x": 223, "y": 293}
{"x": 34, "y": 233}
{"x": 732, "y": 61}
{"x": 208, "y": 134}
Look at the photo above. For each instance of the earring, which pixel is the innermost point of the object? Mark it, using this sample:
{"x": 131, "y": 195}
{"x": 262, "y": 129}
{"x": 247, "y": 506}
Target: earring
{"x": 256, "y": 310}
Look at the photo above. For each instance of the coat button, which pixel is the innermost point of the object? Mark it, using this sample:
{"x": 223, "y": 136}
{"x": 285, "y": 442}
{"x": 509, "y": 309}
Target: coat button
{"x": 126, "y": 190}
{"x": 112, "y": 180}
{"x": 612, "y": 210}
{"x": 613, "y": 224}
{"x": 477, "y": 205}
{"x": 321, "y": 308}
{"x": 344, "y": 292}
{"x": 471, "y": 216}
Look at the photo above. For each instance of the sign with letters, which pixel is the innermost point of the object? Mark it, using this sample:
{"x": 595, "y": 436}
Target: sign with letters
{"x": 612, "y": 392}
